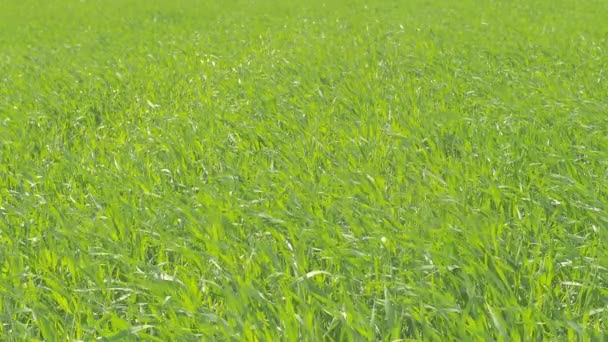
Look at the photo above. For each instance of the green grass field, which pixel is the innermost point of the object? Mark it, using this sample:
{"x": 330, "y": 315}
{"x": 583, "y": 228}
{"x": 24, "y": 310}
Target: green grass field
{"x": 347, "y": 170}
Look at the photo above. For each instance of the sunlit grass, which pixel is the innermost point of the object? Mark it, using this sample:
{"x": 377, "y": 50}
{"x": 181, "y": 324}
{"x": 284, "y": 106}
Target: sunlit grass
{"x": 344, "y": 171}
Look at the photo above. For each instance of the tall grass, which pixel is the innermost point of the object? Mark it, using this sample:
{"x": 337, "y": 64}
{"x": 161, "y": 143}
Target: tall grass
{"x": 344, "y": 170}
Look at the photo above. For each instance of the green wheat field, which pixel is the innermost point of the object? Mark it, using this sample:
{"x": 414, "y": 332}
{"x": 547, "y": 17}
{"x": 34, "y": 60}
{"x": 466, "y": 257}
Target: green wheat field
{"x": 323, "y": 170}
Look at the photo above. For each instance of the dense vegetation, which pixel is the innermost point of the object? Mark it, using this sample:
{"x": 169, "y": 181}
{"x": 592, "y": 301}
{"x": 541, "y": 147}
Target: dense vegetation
{"x": 320, "y": 170}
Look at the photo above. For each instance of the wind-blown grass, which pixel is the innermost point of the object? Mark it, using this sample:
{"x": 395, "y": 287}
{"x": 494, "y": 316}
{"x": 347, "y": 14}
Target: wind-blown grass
{"x": 353, "y": 170}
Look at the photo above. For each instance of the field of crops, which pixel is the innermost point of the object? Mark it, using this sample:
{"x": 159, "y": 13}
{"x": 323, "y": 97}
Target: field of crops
{"x": 323, "y": 170}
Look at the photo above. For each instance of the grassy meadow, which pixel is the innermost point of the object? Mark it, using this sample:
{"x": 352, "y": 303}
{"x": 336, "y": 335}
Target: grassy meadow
{"x": 323, "y": 170}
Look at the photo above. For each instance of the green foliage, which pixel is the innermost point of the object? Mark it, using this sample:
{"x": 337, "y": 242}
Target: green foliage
{"x": 329, "y": 171}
